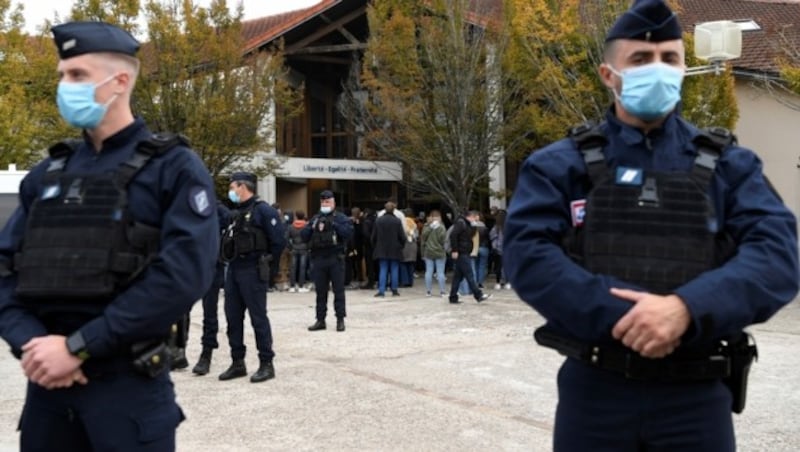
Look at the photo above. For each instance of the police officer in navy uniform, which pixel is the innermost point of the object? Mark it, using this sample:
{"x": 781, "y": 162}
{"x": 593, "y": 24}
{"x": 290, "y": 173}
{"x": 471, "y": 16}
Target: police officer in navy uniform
{"x": 327, "y": 234}
{"x": 113, "y": 241}
{"x": 211, "y": 302}
{"x": 680, "y": 243}
{"x": 254, "y": 239}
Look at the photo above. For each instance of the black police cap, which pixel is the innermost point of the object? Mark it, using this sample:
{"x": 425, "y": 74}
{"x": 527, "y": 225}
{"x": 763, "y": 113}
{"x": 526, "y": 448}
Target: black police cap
{"x": 77, "y": 38}
{"x": 242, "y": 176}
{"x": 646, "y": 20}
{"x": 326, "y": 194}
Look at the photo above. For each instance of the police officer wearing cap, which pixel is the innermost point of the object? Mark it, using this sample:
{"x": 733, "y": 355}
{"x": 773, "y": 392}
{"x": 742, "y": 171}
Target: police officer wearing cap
{"x": 648, "y": 245}
{"x": 113, "y": 241}
{"x": 254, "y": 237}
{"x": 327, "y": 234}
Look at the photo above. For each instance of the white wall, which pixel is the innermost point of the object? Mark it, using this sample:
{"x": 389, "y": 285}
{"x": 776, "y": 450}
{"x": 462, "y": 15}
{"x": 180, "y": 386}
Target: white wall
{"x": 772, "y": 130}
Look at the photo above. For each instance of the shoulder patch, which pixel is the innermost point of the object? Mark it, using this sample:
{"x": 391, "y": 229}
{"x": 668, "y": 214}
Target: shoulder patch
{"x": 200, "y": 201}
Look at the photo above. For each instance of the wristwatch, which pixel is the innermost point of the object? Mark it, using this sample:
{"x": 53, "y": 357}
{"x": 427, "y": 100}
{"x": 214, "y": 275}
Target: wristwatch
{"x": 77, "y": 346}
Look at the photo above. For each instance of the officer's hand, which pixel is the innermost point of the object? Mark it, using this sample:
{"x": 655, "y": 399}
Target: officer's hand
{"x": 655, "y": 324}
{"x": 76, "y": 377}
{"x": 454, "y": 255}
{"x": 46, "y": 359}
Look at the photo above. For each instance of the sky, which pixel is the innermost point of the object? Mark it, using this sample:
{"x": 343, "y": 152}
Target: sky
{"x": 36, "y": 11}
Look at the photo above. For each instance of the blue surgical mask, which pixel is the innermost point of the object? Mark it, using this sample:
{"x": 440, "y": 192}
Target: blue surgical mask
{"x": 651, "y": 91}
{"x": 233, "y": 197}
{"x": 77, "y": 105}
{"x": 326, "y": 210}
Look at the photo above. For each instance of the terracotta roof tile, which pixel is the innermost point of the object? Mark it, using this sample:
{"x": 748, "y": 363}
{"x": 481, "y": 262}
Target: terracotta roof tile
{"x": 265, "y": 29}
{"x": 759, "y": 48}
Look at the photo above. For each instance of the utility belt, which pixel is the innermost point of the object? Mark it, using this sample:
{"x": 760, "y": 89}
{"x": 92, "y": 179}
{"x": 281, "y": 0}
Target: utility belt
{"x": 147, "y": 358}
{"x": 730, "y": 362}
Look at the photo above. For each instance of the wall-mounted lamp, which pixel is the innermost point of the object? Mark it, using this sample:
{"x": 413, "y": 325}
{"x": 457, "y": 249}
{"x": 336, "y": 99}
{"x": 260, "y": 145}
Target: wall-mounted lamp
{"x": 716, "y": 42}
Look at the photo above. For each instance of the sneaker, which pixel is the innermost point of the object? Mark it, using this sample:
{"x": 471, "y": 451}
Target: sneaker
{"x": 497, "y": 286}
{"x": 443, "y": 295}
{"x": 379, "y": 295}
{"x": 428, "y": 293}
{"x": 508, "y": 286}
{"x": 293, "y": 289}
{"x": 484, "y": 297}
{"x": 395, "y": 293}
{"x": 303, "y": 290}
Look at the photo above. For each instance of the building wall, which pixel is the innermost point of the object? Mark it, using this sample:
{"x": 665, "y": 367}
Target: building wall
{"x": 772, "y": 130}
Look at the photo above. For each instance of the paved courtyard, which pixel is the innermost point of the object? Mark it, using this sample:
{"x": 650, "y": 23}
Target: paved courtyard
{"x": 413, "y": 373}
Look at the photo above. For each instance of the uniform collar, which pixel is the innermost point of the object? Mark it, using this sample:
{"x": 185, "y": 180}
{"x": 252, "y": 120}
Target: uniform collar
{"x": 122, "y": 138}
{"x": 673, "y": 126}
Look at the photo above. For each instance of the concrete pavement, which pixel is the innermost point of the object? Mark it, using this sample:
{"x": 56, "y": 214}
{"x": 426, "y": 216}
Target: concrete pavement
{"x": 415, "y": 373}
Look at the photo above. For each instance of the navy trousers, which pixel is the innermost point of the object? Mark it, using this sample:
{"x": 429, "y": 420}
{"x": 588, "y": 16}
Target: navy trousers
{"x": 210, "y": 304}
{"x": 119, "y": 411}
{"x": 244, "y": 290}
{"x": 329, "y": 269}
{"x": 602, "y": 411}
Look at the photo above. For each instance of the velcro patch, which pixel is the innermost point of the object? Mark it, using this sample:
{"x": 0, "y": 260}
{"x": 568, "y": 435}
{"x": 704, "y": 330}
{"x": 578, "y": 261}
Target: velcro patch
{"x": 578, "y": 211}
{"x": 629, "y": 176}
{"x": 200, "y": 201}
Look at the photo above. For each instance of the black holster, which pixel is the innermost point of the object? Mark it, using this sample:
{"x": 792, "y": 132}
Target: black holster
{"x": 263, "y": 267}
{"x": 150, "y": 358}
{"x": 742, "y": 352}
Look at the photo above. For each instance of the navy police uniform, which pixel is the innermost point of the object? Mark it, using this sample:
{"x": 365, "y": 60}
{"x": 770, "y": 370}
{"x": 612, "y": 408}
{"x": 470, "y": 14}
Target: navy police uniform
{"x": 613, "y": 406}
{"x": 248, "y": 276}
{"x": 327, "y": 235}
{"x": 211, "y": 301}
{"x": 122, "y": 406}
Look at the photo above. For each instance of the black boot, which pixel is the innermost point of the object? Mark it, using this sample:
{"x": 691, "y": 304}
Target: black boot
{"x": 236, "y": 370}
{"x": 203, "y": 365}
{"x": 318, "y": 325}
{"x": 179, "y": 360}
{"x": 265, "y": 372}
{"x": 340, "y": 324}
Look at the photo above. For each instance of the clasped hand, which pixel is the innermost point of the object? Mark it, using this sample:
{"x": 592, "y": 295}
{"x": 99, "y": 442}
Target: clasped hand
{"x": 654, "y": 325}
{"x": 47, "y": 362}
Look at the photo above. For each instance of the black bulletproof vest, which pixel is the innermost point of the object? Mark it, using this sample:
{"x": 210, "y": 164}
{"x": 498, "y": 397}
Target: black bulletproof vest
{"x": 323, "y": 235}
{"x": 242, "y": 237}
{"x": 659, "y": 234}
{"x": 81, "y": 244}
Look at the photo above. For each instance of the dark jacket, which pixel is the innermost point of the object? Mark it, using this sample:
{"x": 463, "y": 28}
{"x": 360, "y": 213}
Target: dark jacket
{"x": 388, "y": 238}
{"x": 461, "y": 236}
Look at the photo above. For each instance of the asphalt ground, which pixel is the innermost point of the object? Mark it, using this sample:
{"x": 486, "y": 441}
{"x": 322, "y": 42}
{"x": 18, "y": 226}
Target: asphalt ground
{"x": 413, "y": 373}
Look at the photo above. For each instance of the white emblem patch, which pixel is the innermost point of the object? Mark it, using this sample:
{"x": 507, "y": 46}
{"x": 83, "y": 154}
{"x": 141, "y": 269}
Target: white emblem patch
{"x": 68, "y": 45}
{"x": 201, "y": 201}
{"x": 274, "y": 222}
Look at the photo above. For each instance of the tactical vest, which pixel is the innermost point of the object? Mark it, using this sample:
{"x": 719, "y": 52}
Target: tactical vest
{"x": 323, "y": 235}
{"x": 242, "y": 237}
{"x": 654, "y": 229}
{"x": 81, "y": 244}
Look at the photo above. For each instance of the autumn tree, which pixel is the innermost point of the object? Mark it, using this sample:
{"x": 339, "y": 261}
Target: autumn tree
{"x": 556, "y": 50}
{"x": 431, "y": 94}
{"x": 29, "y": 119}
{"x": 196, "y": 79}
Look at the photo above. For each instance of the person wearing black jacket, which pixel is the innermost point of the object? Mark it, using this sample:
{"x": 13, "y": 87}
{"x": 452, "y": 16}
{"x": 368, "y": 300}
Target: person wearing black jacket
{"x": 388, "y": 239}
{"x": 461, "y": 246}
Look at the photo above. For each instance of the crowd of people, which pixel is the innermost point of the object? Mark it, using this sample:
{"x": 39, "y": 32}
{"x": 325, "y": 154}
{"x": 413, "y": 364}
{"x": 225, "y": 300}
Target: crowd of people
{"x": 424, "y": 251}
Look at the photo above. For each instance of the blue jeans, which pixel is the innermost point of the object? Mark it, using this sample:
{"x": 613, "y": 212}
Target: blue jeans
{"x": 392, "y": 266}
{"x": 483, "y": 265}
{"x": 463, "y": 288}
{"x": 299, "y": 266}
{"x": 438, "y": 264}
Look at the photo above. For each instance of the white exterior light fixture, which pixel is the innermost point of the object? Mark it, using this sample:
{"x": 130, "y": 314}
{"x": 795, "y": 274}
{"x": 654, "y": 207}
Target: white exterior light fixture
{"x": 716, "y": 42}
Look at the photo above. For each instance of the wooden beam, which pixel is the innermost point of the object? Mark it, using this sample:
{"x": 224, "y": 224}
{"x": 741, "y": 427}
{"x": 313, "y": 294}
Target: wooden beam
{"x": 322, "y": 59}
{"x": 326, "y": 49}
{"x": 327, "y": 29}
{"x": 342, "y": 30}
